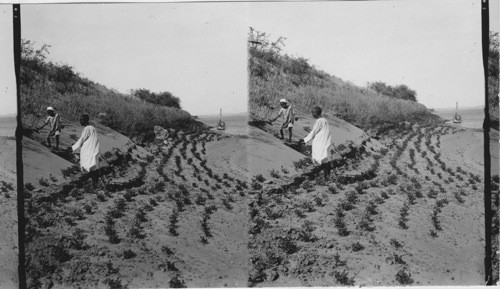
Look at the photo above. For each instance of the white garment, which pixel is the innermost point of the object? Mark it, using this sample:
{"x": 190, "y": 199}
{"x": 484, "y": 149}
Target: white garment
{"x": 89, "y": 148}
{"x": 321, "y": 141}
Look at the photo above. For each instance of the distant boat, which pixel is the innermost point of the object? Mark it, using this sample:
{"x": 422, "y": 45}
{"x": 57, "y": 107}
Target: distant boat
{"x": 457, "y": 118}
{"x": 221, "y": 125}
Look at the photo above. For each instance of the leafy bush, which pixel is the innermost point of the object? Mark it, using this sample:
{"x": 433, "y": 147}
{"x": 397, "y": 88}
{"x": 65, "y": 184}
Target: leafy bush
{"x": 392, "y": 179}
{"x": 129, "y": 254}
{"x": 43, "y": 182}
{"x": 44, "y": 83}
{"x": 432, "y": 194}
{"x": 227, "y": 204}
{"x": 332, "y": 189}
{"x": 136, "y": 231}
{"x": 403, "y": 216}
{"x": 101, "y": 197}
{"x": 274, "y": 76}
{"x": 398, "y": 259}
{"x": 395, "y": 243}
{"x": 398, "y": 91}
{"x": 307, "y": 185}
{"x": 458, "y": 196}
{"x": 172, "y": 228}
{"x": 141, "y": 215}
{"x": 161, "y": 98}
{"x": 111, "y": 231}
{"x": 29, "y": 186}
{"x": 177, "y": 282}
{"x": 351, "y": 197}
{"x": 339, "y": 222}
{"x": 259, "y": 178}
{"x": 366, "y": 222}
{"x": 68, "y": 172}
{"x": 343, "y": 278}
{"x": 403, "y": 277}
{"x": 356, "y": 247}
{"x": 5, "y": 187}
{"x": 165, "y": 249}
{"x": 275, "y": 174}
{"x": 306, "y": 232}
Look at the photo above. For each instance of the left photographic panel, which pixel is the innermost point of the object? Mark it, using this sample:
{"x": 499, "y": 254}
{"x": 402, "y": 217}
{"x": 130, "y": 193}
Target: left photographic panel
{"x": 8, "y": 182}
{"x": 134, "y": 122}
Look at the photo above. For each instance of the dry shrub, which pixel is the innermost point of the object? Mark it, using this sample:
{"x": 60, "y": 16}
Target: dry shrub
{"x": 46, "y": 84}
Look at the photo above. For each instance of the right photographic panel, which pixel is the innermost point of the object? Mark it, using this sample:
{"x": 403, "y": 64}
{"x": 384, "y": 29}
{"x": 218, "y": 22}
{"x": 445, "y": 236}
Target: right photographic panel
{"x": 371, "y": 164}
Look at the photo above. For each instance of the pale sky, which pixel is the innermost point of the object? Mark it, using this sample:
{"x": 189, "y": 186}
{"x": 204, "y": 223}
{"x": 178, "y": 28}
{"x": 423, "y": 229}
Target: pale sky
{"x": 7, "y": 76}
{"x": 434, "y": 47}
{"x": 198, "y": 52}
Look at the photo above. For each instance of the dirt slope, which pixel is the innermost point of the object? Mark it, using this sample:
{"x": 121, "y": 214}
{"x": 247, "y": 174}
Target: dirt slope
{"x": 415, "y": 218}
{"x": 41, "y": 162}
{"x": 258, "y": 151}
{"x": 342, "y": 131}
{"x": 184, "y": 212}
{"x": 173, "y": 214}
{"x": 266, "y": 153}
{"x": 8, "y": 214}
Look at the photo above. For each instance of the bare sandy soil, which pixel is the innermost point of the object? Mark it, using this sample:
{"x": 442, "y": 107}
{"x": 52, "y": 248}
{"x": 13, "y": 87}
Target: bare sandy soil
{"x": 342, "y": 131}
{"x": 187, "y": 210}
{"x": 40, "y": 161}
{"x": 407, "y": 212}
{"x": 172, "y": 214}
{"x": 8, "y": 214}
{"x": 258, "y": 150}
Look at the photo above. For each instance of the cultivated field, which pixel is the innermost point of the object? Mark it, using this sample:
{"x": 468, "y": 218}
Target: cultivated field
{"x": 172, "y": 215}
{"x": 408, "y": 213}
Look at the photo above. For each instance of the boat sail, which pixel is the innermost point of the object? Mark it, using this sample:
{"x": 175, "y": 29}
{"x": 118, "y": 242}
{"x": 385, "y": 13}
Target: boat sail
{"x": 221, "y": 125}
{"x": 457, "y": 118}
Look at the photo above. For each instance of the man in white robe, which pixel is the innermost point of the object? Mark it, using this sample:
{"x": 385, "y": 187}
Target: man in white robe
{"x": 321, "y": 142}
{"x": 88, "y": 145}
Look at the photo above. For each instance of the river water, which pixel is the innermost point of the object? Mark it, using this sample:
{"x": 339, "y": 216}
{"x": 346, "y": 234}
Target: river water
{"x": 8, "y": 126}
{"x": 235, "y": 124}
{"x": 471, "y": 118}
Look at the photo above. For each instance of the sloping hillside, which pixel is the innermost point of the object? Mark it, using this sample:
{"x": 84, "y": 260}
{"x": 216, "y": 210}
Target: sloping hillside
{"x": 44, "y": 84}
{"x": 136, "y": 227}
{"x": 172, "y": 213}
{"x": 403, "y": 205}
{"x": 410, "y": 213}
{"x": 274, "y": 75}
{"x": 42, "y": 162}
